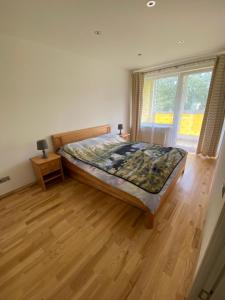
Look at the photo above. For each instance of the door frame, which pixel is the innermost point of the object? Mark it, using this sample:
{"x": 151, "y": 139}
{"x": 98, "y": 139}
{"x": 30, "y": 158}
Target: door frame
{"x": 181, "y": 97}
{"x": 212, "y": 261}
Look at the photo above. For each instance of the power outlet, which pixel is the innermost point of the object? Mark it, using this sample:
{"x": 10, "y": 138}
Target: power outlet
{"x": 4, "y": 179}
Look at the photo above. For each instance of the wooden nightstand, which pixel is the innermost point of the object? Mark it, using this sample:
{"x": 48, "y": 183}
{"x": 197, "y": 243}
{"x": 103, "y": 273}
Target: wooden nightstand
{"x": 126, "y": 136}
{"x": 47, "y": 169}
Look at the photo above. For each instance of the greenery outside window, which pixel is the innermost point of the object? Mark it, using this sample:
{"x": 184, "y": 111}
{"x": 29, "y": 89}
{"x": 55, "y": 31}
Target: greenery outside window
{"x": 178, "y": 101}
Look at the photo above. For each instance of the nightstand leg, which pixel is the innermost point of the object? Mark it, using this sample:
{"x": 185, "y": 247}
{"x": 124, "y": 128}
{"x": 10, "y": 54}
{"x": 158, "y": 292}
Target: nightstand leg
{"x": 62, "y": 173}
{"x": 43, "y": 186}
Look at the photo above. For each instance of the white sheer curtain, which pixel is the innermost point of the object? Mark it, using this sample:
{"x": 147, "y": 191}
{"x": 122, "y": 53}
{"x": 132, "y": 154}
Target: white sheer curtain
{"x": 155, "y": 134}
{"x": 155, "y": 128}
{"x": 162, "y": 103}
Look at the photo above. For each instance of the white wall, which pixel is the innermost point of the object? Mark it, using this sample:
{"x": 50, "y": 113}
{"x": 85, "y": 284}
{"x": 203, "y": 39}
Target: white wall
{"x": 211, "y": 259}
{"x": 44, "y": 91}
{"x": 216, "y": 202}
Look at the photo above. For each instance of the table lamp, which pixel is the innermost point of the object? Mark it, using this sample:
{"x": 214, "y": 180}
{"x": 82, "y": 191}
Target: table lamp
{"x": 42, "y": 145}
{"x": 120, "y": 127}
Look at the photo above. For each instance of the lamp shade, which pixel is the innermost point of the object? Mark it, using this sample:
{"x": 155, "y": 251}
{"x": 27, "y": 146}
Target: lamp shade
{"x": 120, "y": 126}
{"x": 42, "y": 145}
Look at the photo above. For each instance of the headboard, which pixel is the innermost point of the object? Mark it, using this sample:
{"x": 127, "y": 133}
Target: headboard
{"x": 61, "y": 139}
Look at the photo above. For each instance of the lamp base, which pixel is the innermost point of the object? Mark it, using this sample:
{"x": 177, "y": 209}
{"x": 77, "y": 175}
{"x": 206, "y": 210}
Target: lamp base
{"x": 45, "y": 155}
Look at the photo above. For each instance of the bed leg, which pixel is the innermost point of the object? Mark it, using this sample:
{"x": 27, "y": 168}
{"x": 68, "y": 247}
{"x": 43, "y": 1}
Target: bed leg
{"x": 149, "y": 220}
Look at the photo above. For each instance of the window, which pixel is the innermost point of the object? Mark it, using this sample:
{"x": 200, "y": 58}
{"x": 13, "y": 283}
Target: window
{"x": 159, "y": 100}
{"x": 178, "y": 101}
{"x": 195, "y": 92}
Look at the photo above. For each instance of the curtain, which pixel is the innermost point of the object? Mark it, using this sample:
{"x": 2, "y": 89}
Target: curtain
{"x": 214, "y": 113}
{"x": 146, "y": 132}
{"x": 137, "y": 100}
{"x": 153, "y": 134}
{"x": 156, "y": 127}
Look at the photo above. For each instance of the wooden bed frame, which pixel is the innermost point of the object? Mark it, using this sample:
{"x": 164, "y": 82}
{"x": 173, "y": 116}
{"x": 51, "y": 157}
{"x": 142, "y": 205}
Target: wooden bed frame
{"x": 79, "y": 174}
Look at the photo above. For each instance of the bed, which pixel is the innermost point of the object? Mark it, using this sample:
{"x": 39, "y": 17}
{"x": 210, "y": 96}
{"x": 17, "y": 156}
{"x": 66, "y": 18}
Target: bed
{"x": 106, "y": 173}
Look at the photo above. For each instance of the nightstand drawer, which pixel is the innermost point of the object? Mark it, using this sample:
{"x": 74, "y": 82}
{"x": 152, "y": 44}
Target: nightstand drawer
{"x": 50, "y": 167}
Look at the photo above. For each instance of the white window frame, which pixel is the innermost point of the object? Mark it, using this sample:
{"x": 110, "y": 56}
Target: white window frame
{"x": 179, "y": 98}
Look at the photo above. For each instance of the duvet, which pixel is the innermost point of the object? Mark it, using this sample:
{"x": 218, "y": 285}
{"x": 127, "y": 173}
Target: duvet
{"x": 147, "y": 166}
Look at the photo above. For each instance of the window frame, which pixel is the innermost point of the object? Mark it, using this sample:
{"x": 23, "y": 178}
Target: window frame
{"x": 179, "y": 97}
{"x": 180, "y": 75}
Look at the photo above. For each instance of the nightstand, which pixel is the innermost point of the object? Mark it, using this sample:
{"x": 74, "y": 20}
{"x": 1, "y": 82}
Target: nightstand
{"x": 47, "y": 169}
{"x": 126, "y": 136}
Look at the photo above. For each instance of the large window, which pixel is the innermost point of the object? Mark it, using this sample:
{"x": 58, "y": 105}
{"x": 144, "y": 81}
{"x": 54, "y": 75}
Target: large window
{"x": 177, "y": 101}
{"x": 195, "y": 92}
{"x": 159, "y": 100}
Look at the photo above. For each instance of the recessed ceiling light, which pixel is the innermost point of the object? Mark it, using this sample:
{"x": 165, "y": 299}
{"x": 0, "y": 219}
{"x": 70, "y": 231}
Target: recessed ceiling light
{"x": 180, "y": 42}
{"x": 151, "y": 3}
{"x": 97, "y": 32}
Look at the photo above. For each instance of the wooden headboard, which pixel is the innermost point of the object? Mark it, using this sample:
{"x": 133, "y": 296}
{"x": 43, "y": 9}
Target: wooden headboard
{"x": 61, "y": 139}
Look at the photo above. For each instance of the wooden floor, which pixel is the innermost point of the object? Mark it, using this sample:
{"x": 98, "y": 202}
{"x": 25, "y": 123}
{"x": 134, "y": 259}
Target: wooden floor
{"x": 74, "y": 242}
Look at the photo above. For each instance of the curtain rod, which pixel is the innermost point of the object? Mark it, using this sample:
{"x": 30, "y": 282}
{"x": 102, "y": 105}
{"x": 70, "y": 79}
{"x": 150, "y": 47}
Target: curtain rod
{"x": 178, "y": 63}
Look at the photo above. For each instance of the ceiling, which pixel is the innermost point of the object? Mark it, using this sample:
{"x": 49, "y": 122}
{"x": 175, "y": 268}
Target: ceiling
{"x": 128, "y": 27}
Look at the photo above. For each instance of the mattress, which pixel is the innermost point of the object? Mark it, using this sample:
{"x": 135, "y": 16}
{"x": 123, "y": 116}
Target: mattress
{"x": 151, "y": 200}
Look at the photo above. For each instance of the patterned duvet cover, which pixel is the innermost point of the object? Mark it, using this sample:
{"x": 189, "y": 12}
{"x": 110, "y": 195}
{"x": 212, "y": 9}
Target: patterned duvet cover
{"x": 145, "y": 165}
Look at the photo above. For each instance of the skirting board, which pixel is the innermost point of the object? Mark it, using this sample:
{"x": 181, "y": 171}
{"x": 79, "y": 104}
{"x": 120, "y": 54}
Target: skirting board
{"x": 17, "y": 190}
